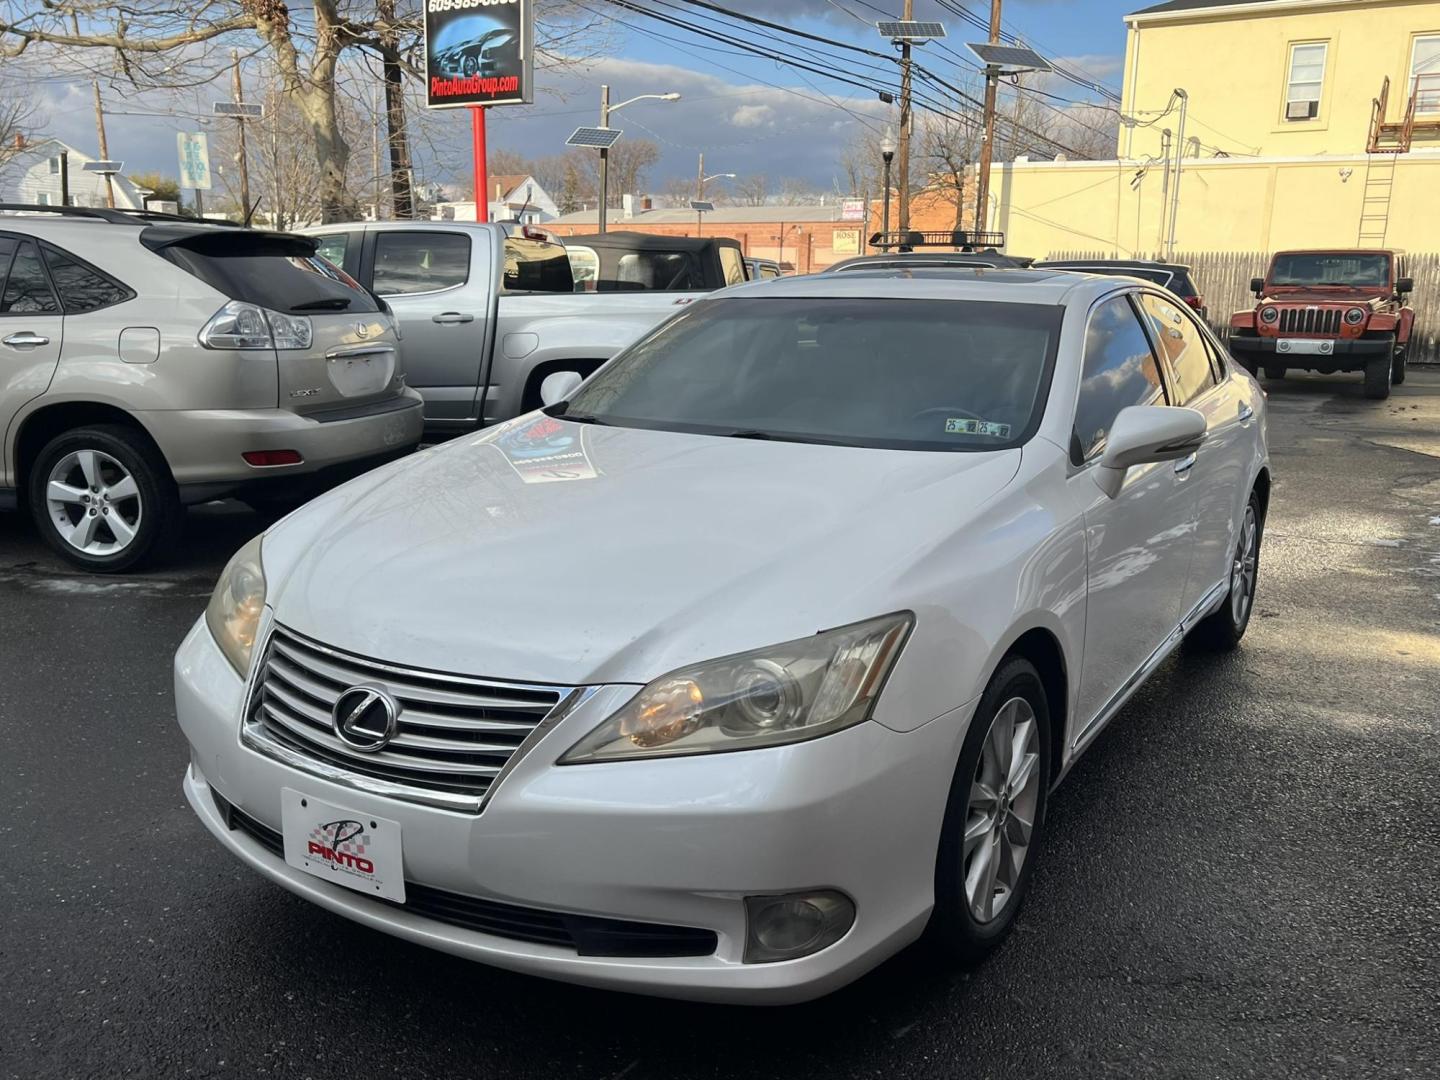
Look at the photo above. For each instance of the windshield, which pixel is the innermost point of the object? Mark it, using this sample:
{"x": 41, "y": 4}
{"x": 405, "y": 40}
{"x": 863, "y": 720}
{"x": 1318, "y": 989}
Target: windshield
{"x": 879, "y": 372}
{"x": 1359, "y": 271}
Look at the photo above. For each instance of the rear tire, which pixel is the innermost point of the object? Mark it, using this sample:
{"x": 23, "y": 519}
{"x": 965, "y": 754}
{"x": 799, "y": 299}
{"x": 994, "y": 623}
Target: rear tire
{"x": 1274, "y": 373}
{"x": 1379, "y": 373}
{"x": 995, "y": 814}
{"x": 1222, "y": 630}
{"x": 103, "y": 498}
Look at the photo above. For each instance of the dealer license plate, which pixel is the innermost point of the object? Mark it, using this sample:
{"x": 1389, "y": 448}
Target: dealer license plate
{"x": 1310, "y": 346}
{"x": 346, "y": 847}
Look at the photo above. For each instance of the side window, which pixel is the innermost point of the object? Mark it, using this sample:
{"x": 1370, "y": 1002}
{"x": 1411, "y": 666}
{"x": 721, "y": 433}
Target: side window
{"x": 733, "y": 263}
{"x": 82, "y": 288}
{"x": 418, "y": 262}
{"x": 333, "y": 247}
{"x": 1182, "y": 346}
{"x": 27, "y": 289}
{"x": 584, "y": 266}
{"x": 536, "y": 266}
{"x": 1119, "y": 371}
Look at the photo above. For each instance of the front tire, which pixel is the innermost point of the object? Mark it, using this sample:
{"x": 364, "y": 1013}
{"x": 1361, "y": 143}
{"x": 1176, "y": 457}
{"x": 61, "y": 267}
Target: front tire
{"x": 1397, "y": 370}
{"x": 995, "y": 815}
{"x": 103, "y": 498}
{"x": 1222, "y": 630}
{"x": 1379, "y": 373}
{"x": 1274, "y": 373}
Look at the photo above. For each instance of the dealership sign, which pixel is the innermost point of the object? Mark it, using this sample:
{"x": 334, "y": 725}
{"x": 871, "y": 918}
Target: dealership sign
{"x": 478, "y": 52}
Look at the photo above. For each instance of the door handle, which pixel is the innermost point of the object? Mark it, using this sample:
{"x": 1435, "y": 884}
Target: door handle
{"x": 1184, "y": 465}
{"x": 26, "y": 339}
{"x": 1246, "y": 412}
{"x": 450, "y": 318}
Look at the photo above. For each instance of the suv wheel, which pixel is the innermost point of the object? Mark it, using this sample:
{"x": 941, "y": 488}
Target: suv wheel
{"x": 995, "y": 815}
{"x": 1397, "y": 369}
{"x": 1379, "y": 373}
{"x": 1274, "y": 373}
{"x": 103, "y": 498}
{"x": 1222, "y": 631}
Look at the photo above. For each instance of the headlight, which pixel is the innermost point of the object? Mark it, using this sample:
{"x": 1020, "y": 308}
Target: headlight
{"x": 1355, "y": 316}
{"x": 781, "y": 694}
{"x": 1269, "y": 315}
{"x": 233, "y": 614}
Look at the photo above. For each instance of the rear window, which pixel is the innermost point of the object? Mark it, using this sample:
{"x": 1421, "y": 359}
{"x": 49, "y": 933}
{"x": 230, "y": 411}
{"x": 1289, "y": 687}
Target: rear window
{"x": 279, "y": 272}
{"x": 536, "y": 266}
{"x": 82, "y": 288}
{"x": 658, "y": 271}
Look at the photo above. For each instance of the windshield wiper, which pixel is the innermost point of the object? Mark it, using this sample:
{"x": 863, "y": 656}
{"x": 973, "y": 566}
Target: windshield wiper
{"x": 562, "y": 408}
{"x": 750, "y": 433}
{"x": 329, "y": 303}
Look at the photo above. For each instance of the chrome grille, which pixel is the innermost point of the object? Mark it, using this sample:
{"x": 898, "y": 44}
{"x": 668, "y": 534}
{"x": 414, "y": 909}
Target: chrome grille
{"x": 454, "y": 736}
{"x": 1310, "y": 320}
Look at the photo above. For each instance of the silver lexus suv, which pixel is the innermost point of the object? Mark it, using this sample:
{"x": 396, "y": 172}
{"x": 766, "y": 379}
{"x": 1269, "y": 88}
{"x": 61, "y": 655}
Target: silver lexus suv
{"x": 148, "y": 362}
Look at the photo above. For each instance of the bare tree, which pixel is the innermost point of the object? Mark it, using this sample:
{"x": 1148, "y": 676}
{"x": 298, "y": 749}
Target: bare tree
{"x": 630, "y": 162}
{"x": 20, "y": 121}
{"x": 751, "y": 190}
{"x": 949, "y": 147}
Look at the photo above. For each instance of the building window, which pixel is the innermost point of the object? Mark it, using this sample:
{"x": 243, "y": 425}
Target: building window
{"x": 1307, "y": 79}
{"x": 1425, "y": 74}
{"x": 42, "y": 198}
{"x": 55, "y": 165}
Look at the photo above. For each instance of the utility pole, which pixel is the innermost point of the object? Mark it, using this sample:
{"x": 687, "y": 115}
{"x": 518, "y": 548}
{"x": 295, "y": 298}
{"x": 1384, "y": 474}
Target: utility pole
{"x": 987, "y": 146}
{"x": 905, "y": 122}
{"x": 375, "y": 144}
{"x": 604, "y": 153}
{"x": 64, "y": 178}
{"x": 244, "y": 160}
{"x": 402, "y": 194}
{"x": 104, "y": 146}
{"x": 700, "y": 193}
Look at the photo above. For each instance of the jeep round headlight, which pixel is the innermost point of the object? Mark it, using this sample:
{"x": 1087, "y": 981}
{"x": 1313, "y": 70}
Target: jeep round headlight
{"x": 1269, "y": 315}
{"x": 233, "y": 614}
{"x": 1355, "y": 316}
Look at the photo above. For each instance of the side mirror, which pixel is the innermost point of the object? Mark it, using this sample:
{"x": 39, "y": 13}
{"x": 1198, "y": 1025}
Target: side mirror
{"x": 1257, "y": 286}
{"x": 1405, "y": 285}
{"x": 1143, "y": 434}
{"x": 559, "y": 385}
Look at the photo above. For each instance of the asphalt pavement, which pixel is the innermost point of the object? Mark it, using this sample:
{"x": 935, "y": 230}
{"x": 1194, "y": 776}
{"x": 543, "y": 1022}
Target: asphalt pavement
{"x": 1241, "y": 878}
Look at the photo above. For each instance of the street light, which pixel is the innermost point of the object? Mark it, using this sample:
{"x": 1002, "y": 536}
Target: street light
{"x": 605, "y": 110}
{"x": 887, "y": 152}
{"x": 700, "y": 181}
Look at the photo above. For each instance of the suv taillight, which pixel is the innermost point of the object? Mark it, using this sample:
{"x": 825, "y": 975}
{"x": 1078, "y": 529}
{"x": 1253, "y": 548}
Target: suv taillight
{"x": 1196, "y": 302}
{"x": 239, "y": 325}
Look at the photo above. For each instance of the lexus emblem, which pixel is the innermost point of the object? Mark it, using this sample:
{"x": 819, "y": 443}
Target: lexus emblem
{"x": 362, "y": 329}
{"x": 365, "y": 718}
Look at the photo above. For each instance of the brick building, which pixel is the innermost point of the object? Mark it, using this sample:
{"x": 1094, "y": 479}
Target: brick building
{"x": 809, "y": 238}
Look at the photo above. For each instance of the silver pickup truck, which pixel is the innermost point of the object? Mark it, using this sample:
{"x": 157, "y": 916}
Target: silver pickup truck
{"x": 486, "y": 312}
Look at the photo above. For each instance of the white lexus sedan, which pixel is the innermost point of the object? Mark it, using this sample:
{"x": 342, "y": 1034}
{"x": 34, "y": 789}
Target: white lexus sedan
{"x": 739, "y": 667}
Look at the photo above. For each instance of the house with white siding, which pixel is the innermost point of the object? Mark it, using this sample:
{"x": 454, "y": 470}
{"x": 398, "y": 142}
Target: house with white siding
{"x": 31, "y": 173}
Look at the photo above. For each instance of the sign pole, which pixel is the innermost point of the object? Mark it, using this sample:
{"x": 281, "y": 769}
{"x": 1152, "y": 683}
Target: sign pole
{"x": 482, "y": 182}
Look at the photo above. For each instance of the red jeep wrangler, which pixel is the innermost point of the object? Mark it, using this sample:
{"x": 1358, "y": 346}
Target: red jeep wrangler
{"x": 1328, "y": 311}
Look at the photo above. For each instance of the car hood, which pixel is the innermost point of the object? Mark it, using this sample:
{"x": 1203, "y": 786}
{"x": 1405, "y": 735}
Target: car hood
{"x": 1335, "y": 295}
{"x": 548, "y": 551}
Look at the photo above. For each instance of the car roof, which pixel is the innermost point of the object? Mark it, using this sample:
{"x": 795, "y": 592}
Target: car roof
{"x": 929, "y": 258}
{"x": 999, "y": 285}
{"x": 1141, "y": 264}
{"x": 1339, "y": 251}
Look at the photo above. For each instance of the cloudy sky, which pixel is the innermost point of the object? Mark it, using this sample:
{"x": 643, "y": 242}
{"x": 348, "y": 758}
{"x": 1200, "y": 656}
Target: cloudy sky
{"x": 748, "y": 115}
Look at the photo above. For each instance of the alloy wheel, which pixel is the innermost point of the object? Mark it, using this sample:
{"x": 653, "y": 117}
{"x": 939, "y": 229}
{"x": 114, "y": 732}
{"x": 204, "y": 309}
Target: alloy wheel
{"x": 1000, "y": 818}
{"x": 1243, "y": 567}
{"x": 94, "y": 502}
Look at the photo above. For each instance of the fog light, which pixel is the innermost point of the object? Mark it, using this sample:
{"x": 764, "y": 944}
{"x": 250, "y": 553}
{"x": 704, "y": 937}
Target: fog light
{"x": 794, "y": 925}
{"x": 263, "y": 458}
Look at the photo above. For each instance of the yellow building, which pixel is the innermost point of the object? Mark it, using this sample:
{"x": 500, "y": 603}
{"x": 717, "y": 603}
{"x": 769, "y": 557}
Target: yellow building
{"x": 1280, "y": 78}
{"x": 1283, "y": 146}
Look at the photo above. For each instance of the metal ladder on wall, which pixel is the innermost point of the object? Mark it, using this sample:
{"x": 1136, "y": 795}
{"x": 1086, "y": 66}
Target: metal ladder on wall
{"x": 1375, "y": 207}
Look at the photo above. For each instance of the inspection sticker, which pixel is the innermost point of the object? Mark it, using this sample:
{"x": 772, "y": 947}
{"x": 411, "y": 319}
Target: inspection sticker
{"x": 956, "y": 425}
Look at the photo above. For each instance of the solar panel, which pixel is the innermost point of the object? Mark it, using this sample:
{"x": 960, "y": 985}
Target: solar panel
{"x": 595, "y": 138}
{"x": 237, "y": 108}
{"x": 701, "y": 207}
{"x": 103, "y": 166}
{"x": 1009, "y": 56}
{"x": 910, "y": 31}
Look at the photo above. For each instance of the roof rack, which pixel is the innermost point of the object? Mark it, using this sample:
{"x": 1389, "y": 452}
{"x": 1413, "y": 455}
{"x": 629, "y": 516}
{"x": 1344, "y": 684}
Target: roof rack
{"x": 964, "y": 239}
{"x": 114, "y": 217}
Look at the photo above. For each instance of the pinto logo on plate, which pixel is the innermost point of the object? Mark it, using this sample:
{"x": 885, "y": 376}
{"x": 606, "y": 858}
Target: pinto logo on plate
{"x": 343, "y": 844}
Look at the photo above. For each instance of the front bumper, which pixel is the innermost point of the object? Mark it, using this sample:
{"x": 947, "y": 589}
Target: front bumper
{"x": 204, "y": 446}
{"x": 1344, "y": 349}
{"x": 679, "y": 842}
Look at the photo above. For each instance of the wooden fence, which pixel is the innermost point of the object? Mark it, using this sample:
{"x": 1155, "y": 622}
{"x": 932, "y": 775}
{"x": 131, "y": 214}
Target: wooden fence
{"x": 1224, "y": 280}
